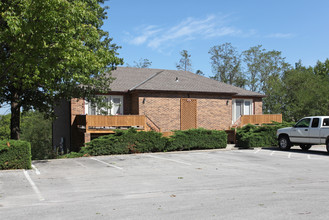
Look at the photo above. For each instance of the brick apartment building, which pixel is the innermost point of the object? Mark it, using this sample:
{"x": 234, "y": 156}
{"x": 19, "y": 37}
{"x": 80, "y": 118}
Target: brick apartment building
{"x": 168, "y": 99}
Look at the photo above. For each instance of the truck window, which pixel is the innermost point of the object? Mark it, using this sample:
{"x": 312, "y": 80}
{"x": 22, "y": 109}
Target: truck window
{"x": 315, "y": 122}
{"x": 304, "y": 123}
{"x": 326, "y": 122}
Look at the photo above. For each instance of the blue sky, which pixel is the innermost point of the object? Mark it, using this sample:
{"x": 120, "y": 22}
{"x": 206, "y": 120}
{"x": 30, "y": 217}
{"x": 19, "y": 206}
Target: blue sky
{"x": 159, "y": 30}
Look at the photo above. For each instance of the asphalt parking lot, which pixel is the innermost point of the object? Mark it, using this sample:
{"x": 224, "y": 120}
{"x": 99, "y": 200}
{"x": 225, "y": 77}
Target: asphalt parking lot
{"x": 215, "y": 184}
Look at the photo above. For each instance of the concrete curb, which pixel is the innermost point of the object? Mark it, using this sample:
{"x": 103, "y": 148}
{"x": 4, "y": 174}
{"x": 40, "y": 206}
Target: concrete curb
{"x": 231, "y": 147}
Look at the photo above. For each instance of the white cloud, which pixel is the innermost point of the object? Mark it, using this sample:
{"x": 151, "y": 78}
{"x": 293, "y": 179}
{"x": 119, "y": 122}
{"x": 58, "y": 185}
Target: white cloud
{"x": 148, "y": 32}
{"x": 280, "y": 35}
{"x": 189, "y": 29}
{"x": 212, "y": 26}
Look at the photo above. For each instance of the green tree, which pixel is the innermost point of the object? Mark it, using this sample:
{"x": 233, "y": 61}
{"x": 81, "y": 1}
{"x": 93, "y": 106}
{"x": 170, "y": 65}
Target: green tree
{"x": 261, "y": 65}
{"x": 185, "y": 62}
{"x": 52, "y": 50}
{"x": 272, "y": 104}
{"x": 322, "y": 69}
{"x": 143, "y": 63}
{"x": 305, "y": 93}
{"x": 4, "y": 127}
{"x": 252, "y": 58}
{"x": 37, "y": 130}
{"x": 199, "y": 72}
{"x": 226, "y": 64}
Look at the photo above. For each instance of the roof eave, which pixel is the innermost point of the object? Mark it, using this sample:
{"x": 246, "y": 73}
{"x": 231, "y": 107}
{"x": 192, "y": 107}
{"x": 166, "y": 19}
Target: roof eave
{"x": 258, "y": 96}
{"x": 183, "y": 91}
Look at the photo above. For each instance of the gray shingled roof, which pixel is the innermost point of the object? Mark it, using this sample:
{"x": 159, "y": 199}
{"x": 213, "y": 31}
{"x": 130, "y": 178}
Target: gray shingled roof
{"x": 134, "y": 79}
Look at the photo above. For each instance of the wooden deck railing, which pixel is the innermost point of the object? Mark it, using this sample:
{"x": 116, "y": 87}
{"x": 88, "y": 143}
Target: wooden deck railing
{"x": 151, "y": 125}
{"x": 107, "y": 124}
{"x": 259, "y": 119}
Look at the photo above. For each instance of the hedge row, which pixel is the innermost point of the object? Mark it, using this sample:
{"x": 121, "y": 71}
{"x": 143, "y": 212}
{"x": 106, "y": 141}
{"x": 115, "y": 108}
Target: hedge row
{"x": 131, "y": 141}
{"x": 259, "y": 136}
{"x": 195, "y": 139}
{"x": 15, "y": 155}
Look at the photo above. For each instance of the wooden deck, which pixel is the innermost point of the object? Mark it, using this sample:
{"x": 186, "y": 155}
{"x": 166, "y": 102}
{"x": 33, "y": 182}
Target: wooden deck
{"x": 102, "y": 124}
{"x": 107, "y": 124}
{"x": 257, "y": 119}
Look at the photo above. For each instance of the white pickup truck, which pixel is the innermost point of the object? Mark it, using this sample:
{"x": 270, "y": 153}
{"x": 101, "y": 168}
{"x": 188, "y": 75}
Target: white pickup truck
{"x": 306, "y": 132}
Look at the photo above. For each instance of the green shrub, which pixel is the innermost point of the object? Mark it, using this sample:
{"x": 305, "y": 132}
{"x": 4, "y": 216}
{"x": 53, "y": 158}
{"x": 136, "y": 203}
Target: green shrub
{"x": 194, "y": 139}
{"x": 131, "y": 141}
{"x": 15, "y": 155}
{"x": 71, "y": 155}
{"x": 123, "y": 142}
{"x": 36, "y": 129}
{"x": 259, "y": 136}
{"x": 5, "y": 127}
{"x": 103, "y": 145}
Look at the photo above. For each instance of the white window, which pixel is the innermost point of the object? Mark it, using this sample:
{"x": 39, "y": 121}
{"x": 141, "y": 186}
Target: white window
{"x": 246, "y": 109}
{"x": 114, "y": 106}
{"x": 241, "y": 107}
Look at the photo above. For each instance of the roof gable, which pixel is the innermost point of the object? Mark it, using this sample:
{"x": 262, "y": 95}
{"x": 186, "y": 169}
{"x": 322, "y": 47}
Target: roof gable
{"x": 134, "y": 79}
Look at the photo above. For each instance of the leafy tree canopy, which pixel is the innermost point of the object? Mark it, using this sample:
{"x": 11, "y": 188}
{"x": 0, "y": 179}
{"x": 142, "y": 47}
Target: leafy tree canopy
{"x": 226, "y": 64}
{"x": 36, "y": 129}
{"x": 299, "y": 92}
{"x": 185, "y": 61}
{"x": 262, "y": 65}
{"x": 143, "y": 63}
{"x": 199, "y": 72}
{"x": 305, "y": 93}
{"x": 322, "y": 69}
{"x": 52, "y": 50}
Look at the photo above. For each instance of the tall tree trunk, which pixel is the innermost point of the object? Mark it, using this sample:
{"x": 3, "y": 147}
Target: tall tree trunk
{"x": 15, "y": 120}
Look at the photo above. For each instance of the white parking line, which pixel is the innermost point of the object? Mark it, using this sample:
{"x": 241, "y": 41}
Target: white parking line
{"x": 177, "y": 161}
{"x": 257, "y": 151}
{"x": 36, "y": 170}
{"x": 289, "y": 155}
{"x": 34, "y": 187}
{"x": 80, "y": 164}
{"x": 106, "y": 163}
{"x": 272, "y": 153}
{"x": 308, "y": 156}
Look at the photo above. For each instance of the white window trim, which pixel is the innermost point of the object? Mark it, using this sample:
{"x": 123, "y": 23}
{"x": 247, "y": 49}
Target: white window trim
{"x": 109, "y": 97}
{"x": 243, "y": 106}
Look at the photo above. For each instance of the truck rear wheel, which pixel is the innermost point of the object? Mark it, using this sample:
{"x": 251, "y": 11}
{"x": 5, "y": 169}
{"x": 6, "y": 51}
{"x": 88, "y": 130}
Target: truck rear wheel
{"x": 327, "y": 145}
{"x": 284, "y": 143}
{"x": 305, "y": 147}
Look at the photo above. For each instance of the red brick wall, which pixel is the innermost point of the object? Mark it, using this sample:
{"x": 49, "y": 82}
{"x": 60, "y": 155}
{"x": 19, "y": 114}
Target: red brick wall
{"x": 77, "y": 137}
{"x": 258, "y": 103}
{"x": 214, "y": 113}
{"x": 77, "y": 108}
{"x": 164, "y": 110}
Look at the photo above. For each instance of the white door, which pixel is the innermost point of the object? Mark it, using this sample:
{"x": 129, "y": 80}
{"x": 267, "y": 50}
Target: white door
{"x": 247, "y": 107}
{"x": 300, "y": 132}
{"x": 314, "y": 134}
{"x": 238, "y": 109}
